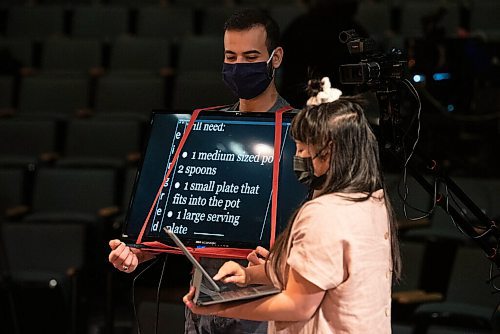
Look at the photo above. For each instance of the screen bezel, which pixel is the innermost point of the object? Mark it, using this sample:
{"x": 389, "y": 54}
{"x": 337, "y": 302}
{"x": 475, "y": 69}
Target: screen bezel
{"x": 192, "y": 242}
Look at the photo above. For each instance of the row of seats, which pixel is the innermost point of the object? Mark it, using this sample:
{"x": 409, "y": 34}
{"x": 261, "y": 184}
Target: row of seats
{"x": 438, "y": 293}
{"x": 108, "y": 22}
{"x": 190, "y": 79}
{"x": 54, "y": 243}
{"x": 61, "y": 197}
{"x": 113, "y": 96}
{"x": 465, "y": 305}
{"x": 125, "y": 54}
{"x": 170, "y": 22}
{"x": 64, "y": 194}
{"x": 408, "y": 18}
{"x": 55, "y": 235}
{"x": 117, "y": 142}
{"x": 39, "y": 189}
{"x": 138, "y": 3}
{"x": 88, "y": 142}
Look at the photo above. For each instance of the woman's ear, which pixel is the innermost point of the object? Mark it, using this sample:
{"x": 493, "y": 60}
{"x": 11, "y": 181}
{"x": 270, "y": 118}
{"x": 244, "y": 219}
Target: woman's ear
{"x": 327, "y": 152}
{"x": 277, "y": 57}
{"x": 325, "y": 155}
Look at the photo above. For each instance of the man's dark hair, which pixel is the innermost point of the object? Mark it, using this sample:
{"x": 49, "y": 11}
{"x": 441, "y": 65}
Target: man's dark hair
{"x": 245, "y": 19}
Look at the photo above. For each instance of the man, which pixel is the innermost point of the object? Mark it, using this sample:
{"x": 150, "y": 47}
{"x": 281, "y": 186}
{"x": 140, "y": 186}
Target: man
{"x": 251, "y": 57}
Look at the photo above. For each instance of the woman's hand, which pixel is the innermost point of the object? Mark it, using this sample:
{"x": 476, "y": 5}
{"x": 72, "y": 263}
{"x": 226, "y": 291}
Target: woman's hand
{"x": 232, "y": 272}
{"x": 257, "y": 256}
{"x": 201, "y": 310}
{"x": 124, "y": 258}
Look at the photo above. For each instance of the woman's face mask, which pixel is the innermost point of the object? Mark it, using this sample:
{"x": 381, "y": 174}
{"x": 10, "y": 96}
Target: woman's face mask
{"x": 304, "y": 170}
{"x": 248, "y": 80}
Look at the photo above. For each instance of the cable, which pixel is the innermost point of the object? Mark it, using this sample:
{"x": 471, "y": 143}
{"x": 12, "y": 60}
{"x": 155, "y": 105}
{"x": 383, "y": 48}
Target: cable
{"x": 158, "y": 292}
{"x": 412, "y": 89}
{"x": 404, "y": 197}
{"x": 133, "y": 293}
{"x": 465, "y": 216}
{"x": 448, "y": 195}
{"x": 426, "y": 213}
{"x": 492, "y": 278}
{"x": 495, "y": 290}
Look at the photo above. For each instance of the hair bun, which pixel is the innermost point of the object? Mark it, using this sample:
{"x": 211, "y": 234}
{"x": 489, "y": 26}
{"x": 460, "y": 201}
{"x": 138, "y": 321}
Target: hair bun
{"x": 313, "y": 87}
{"x": 321, "y": 91}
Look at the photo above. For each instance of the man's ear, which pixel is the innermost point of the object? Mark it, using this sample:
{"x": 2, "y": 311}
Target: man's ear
{"x": 277, "y": 57}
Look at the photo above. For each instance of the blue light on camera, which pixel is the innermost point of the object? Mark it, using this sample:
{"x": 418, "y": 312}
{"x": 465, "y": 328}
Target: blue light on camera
{"x": 441, "y": 76}
{"x": 451, "y": 107}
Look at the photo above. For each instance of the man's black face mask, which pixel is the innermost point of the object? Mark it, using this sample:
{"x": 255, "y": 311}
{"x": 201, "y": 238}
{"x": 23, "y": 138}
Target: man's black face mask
{"x": 248, "y": 80}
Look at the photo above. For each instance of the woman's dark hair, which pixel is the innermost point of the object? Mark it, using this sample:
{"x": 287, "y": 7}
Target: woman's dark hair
{"x": 341, "y": 129}
{"x": 245, "y": 19}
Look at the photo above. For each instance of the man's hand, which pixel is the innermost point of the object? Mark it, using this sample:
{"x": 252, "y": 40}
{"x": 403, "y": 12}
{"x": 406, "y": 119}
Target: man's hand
{"x": 125, "y": 258}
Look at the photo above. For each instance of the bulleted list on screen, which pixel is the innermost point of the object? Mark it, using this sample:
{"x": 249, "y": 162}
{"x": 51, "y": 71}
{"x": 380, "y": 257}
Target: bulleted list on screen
{"x": 221, "y": 183}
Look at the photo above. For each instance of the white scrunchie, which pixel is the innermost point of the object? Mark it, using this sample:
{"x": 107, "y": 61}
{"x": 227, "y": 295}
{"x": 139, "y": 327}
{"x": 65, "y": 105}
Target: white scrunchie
{"x": 327, "y": 93}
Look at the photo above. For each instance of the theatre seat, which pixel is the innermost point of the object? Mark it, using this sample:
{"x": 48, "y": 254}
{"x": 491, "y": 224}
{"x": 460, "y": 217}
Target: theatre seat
{"x": 35, "y": 22}
{"x": 53, "y": 97}
{"x": 131, "y": 55}
{"x": 193, "y": 55}
{"x": 134, "y": 3}
{"x": 213, "y": 20}
{"x": 45, "y": 263}
{"x": 101, "y": 143}
{"x": 72, "y": 195}
{"x": 6, "y": 94}
{"x": 12, "y": 192}
{"x": 121, "y": 96}
{"x": 20, "y": 49}
{"x": 27, "y": 142}
{"x": 164, "y": 22}
{"x": 104, "y": 23}
{"x": 81, "y": 57}
{"x": 200, "y": 89}
{"x": 203, "y": 3}
{"x": 469, "y": 303}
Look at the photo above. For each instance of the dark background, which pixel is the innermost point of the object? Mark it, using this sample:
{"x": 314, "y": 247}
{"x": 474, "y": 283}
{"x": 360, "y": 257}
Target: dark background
{"x": 78, "y": 80}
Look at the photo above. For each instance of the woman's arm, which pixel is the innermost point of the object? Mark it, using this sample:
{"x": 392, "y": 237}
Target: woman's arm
{"x": 297, "y": 303}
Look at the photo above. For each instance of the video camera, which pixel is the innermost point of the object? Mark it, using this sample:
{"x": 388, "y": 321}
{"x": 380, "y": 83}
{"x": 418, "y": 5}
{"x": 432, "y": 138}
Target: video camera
{"x": 375, "y": 68}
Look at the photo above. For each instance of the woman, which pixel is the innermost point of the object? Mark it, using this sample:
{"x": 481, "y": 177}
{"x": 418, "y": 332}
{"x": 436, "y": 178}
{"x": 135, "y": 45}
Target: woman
{"x": 336, "y": 259}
